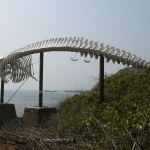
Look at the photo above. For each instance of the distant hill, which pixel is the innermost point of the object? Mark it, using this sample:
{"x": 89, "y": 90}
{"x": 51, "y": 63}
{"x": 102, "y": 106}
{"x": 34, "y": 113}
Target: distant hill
{"x": 131, "y": 69}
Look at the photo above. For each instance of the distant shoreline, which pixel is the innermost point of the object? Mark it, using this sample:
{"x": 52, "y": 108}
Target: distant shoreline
{"x": 68, "y": 91}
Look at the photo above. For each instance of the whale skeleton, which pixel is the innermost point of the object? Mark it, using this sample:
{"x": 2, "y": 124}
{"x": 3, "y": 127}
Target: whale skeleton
{"x": 17, "y": 65}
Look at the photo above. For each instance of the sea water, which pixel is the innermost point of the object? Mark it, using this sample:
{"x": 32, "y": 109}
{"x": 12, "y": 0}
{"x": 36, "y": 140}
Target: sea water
{"x": 30, "y": 98}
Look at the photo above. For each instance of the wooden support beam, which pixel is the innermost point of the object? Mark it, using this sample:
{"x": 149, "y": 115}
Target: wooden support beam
{"x": 101, "y": 80}
{"x": 41, "y": 81}
{"x": 2, "y": 91}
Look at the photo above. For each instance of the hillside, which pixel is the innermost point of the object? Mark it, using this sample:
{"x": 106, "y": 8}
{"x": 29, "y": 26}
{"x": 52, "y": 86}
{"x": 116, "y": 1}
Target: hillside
{"x": 121, "y": 122}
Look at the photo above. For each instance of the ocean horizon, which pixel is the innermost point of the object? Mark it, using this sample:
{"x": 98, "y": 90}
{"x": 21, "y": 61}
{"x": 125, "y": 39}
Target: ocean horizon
{"x": 30, "y": 98}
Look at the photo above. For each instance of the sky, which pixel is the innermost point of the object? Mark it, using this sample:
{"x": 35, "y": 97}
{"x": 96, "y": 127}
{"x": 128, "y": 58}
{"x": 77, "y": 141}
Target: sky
{"x": 123, "y": 24}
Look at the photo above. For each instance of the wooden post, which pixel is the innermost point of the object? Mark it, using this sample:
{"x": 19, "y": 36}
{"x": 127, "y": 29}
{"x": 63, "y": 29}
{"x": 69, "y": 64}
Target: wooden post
{"x": 2, "y": 91}
{"x": 101, "y": 80}
{"x": 41, "y": 81}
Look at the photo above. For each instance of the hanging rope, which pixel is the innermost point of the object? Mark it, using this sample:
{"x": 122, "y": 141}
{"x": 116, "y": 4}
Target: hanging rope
{"x": 73, "y": 59}
{"x": 18, "y": 89}
{"x": 87, "y": 61}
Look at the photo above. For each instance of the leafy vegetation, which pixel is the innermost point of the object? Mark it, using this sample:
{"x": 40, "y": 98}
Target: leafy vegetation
{"x": 121, "y": 122}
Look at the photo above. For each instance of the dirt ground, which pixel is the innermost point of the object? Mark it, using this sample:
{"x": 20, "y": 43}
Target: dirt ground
{"x": 10, "y": 142}
{"x": 7, "y": 144}
{"x": 13, "y": 141}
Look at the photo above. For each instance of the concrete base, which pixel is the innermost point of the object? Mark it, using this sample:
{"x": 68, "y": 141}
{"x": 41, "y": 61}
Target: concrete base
{"x": 37, "y": 115}
{"x": 7, "y": 113}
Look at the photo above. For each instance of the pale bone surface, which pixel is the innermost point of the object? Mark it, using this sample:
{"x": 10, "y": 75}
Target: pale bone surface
{"x": 17, "y": 65}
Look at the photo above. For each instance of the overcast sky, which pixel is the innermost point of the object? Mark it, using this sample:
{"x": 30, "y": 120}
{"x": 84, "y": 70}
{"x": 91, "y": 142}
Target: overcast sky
{"x": 123, "y": 24}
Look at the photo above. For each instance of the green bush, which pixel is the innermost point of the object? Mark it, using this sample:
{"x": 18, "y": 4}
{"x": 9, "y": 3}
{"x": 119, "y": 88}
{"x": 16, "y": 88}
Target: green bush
{"x": 121, "y": 122}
